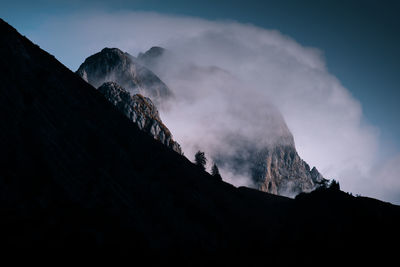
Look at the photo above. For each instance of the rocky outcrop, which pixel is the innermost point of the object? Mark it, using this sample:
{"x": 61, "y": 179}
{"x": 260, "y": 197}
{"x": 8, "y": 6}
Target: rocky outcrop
{"x": 280, "y": 170}
{"x": 270, "y": 160}
{"x": 141, "y": 111}
{"x": 132, "y": 88}
{"x": 275, "y": 168}
{"x": 113, "y": 65}
{"x": 269, "y": 157}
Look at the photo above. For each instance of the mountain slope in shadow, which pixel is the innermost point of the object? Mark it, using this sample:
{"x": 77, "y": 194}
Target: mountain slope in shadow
{"x": 74, "y": 172}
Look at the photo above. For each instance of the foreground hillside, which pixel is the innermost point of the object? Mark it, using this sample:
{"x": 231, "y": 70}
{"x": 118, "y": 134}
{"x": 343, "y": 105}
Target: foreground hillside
{"x": 74, "y": 172}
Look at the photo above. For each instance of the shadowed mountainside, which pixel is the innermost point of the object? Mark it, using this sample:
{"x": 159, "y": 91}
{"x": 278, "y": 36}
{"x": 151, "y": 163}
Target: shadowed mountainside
{"x": 75, "y": 172}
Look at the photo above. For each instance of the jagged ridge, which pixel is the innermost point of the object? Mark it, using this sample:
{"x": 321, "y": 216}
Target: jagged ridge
{"x": 141, "y": 111}
{"x": 113, "y": 65}
{"x": 272, "y": 161}
{"x": 274, "y": 164}
{"x": 280, "y": 170}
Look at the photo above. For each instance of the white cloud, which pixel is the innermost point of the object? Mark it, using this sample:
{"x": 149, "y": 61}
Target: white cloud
{"x": 241, "y": 73}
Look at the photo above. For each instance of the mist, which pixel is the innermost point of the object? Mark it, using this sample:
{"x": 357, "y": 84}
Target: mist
{"x": 233, "y": 82}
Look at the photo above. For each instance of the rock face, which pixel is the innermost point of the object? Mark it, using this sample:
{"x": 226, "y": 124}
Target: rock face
{"x": 279, "y": 170}
{"x": 269, "y": 158}
{"x": 272, "y": 162}
{"x": 113, "y": 65}
{"x": 129, "y": 86}
{"x": 274, "y": 167}
{"x": 141, "y": 111}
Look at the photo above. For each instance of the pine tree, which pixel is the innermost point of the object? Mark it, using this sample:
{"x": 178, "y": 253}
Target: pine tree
{"x": 200, "y": 160}
{"x": 215, "y": 172}
{"x": 334, "y": 185}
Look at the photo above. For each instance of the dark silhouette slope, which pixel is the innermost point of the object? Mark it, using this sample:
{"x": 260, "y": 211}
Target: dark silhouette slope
{"x": 74, "y": 172}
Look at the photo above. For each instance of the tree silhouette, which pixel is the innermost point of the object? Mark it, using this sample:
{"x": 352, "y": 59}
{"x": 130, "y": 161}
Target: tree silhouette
{"x": 334, "y": 185}
{"x": 215, "y": 172}
{"x": 323, "y": 184}
{"x": 200, "y": 160}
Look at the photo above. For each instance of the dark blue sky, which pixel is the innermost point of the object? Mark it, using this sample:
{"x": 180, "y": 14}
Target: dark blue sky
{"x": 360, "y": 39}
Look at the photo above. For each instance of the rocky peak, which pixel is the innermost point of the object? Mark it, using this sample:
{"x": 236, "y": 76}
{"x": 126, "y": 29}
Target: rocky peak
{"x": 140, "y": 110}
{"x": 280, "y": 170}
{"x": 269, "y": 158}
{"x": 113, "y": 65}
{"x": 277, "y": 168}
{"x": 152, "y": 53}
{"x": 112, "y": 51}
{"x": 158, "y": 59}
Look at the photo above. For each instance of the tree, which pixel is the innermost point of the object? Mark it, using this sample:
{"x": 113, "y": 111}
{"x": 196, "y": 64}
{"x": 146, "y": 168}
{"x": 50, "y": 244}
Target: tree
{"x": 200, "y": 160}
{"x": 215, "y": 172}
{"x": 323, "y": 184}
{"x": 334, "y": 185}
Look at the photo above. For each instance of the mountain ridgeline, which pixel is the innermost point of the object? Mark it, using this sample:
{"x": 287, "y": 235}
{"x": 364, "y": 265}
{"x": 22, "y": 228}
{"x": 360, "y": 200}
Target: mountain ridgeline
{"x": 113, "y": 65}
{"x": 274, "y": 167}
{"x": 77, "y": 174}
{"x": 129, "y": 86}
{"x": 141, "y": 111}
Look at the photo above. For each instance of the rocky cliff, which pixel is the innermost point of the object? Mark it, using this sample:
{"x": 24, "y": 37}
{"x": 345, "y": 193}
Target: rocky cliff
{"x": 280, "y": 170}
{"x": 269, "y": 158}
{"x": 274, "y": 167}
{"x": 271, "y": 161}
{"x": 141, "y": 111}
{"x": 113, "y": 65}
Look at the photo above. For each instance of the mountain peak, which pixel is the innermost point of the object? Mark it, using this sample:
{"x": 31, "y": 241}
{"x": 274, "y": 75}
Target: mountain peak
{"x": 114, "y": 65}
{"x": 153, "y": 52}
{"x": 269, "y": 158}
{"x": 151, "y": 58}
{"x": 111, "y": 49}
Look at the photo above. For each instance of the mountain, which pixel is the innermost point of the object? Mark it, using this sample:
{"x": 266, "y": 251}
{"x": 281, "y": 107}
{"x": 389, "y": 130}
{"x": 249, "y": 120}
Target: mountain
{"x": 280, "y": 170}
{"x": 272, "y": 163}
{"x": 122, "y": 80}
{"x": 113, "y": 65}
{"x": 151, "y": 57}
{"x": 141, "y": 111}
{"x": 270, "y": 159}
{"x": 76, "y": 174}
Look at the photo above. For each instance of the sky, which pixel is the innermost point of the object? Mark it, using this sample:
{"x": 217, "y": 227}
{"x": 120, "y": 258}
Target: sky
{"x": 356, "y": 42}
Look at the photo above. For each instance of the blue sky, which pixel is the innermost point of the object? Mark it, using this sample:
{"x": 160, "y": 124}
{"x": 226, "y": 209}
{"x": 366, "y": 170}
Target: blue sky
{"x": 360, "y": 39}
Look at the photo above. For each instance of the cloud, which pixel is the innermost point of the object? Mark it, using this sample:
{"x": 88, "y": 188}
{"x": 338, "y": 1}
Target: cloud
{"x": 229, "y": 77}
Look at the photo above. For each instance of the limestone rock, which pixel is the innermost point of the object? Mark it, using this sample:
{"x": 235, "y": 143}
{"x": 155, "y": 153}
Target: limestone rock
{"x": 140, "y": 110}
{"x": 113, "y": 65}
